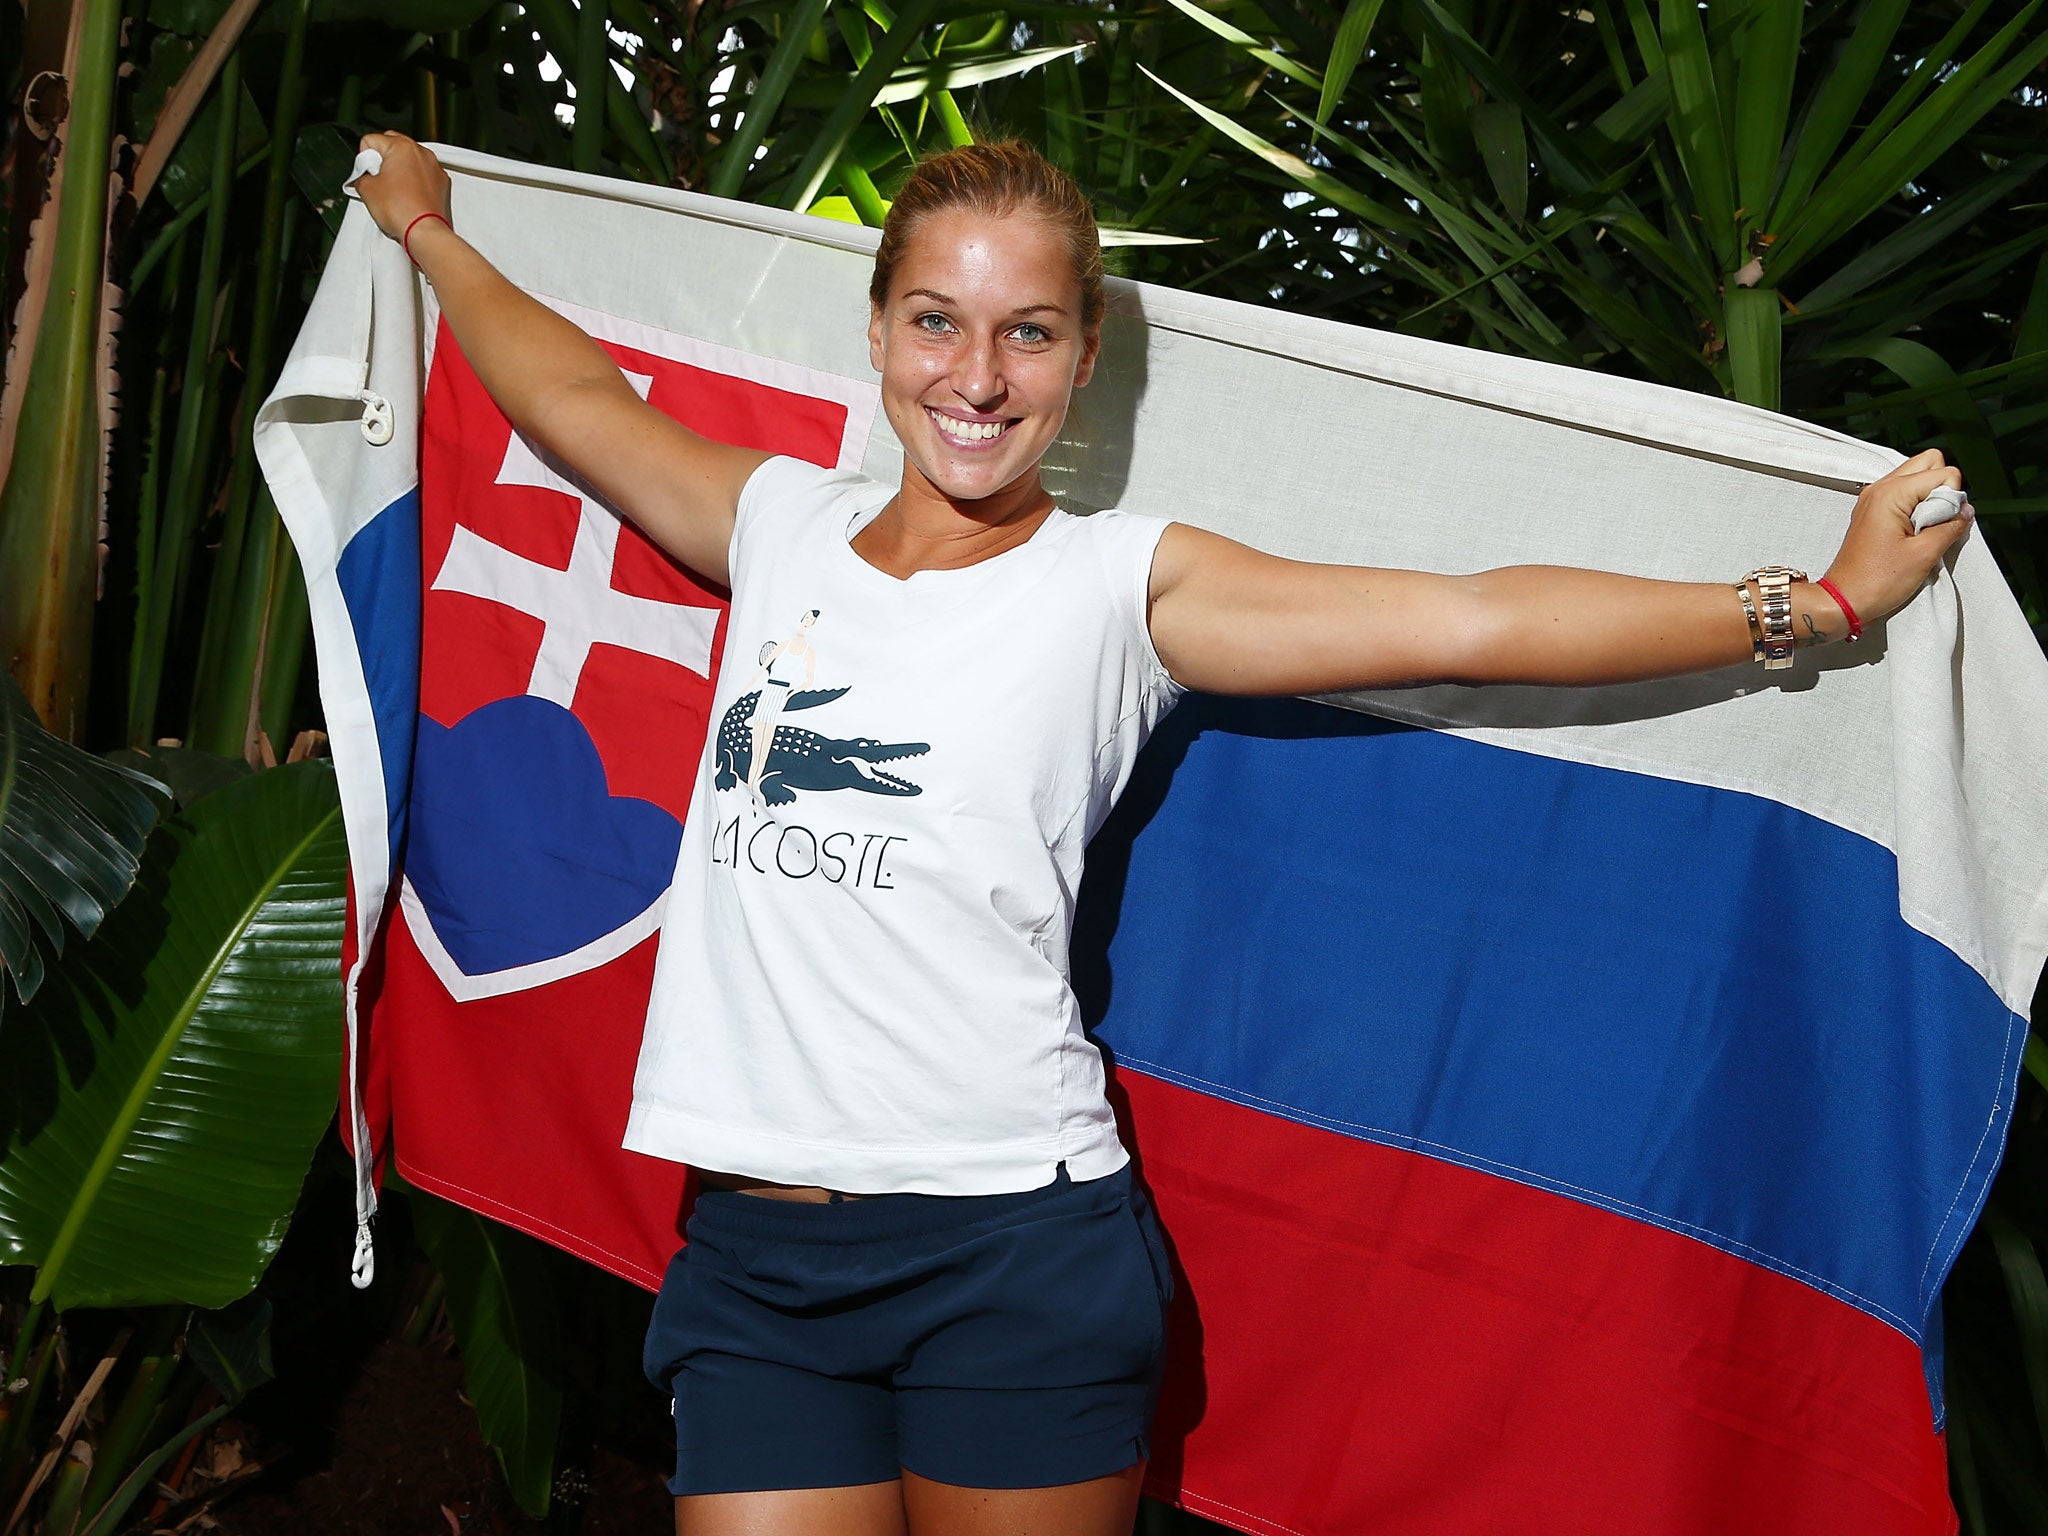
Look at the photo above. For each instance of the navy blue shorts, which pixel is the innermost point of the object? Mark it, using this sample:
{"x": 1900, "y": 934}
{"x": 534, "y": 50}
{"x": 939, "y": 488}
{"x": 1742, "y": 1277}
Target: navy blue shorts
{"x": 990, "y": 1341}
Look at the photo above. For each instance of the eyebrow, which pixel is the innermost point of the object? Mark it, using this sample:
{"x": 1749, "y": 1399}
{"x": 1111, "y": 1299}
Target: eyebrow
{"x": 1023, "y": 309}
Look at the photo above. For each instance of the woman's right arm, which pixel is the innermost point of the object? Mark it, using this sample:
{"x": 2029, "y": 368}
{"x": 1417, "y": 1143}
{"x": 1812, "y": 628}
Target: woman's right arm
{"x": 559, "y": 388}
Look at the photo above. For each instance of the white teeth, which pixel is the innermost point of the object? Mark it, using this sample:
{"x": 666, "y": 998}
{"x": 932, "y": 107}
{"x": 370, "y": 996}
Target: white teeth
{"x": 972, "y": 430}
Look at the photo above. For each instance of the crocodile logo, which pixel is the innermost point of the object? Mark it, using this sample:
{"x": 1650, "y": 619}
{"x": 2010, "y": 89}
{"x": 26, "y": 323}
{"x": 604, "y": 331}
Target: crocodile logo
{"x": 798, "y": 759}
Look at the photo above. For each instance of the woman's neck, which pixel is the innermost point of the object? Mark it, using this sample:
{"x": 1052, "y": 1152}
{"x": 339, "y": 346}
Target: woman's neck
{"x": 924, "y": 529}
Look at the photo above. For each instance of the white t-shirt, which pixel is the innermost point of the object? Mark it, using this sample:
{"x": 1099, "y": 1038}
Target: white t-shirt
{"x": 862, "y": 978}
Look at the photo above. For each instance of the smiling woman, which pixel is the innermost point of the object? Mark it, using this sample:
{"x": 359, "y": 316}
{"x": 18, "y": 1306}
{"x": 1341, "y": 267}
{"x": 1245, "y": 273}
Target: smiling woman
{"x": 924, "y": 1292}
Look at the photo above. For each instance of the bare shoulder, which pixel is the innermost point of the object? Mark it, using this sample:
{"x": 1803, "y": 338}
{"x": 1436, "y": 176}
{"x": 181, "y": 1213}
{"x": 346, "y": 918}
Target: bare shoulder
{"x": 1188, "y": 556}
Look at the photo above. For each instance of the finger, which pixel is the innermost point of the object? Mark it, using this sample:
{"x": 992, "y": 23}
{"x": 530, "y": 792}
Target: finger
{"x": 1899, "y": 485}
{"x": 1919, "y": 463}
{"x": 1926, "y": 458}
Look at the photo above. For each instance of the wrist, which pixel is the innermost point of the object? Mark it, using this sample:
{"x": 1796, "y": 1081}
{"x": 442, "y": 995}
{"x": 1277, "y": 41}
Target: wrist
{"x": 1850, "y": 612}
{"x": 1817, "y": 618}
{"x": 421, "y": 231}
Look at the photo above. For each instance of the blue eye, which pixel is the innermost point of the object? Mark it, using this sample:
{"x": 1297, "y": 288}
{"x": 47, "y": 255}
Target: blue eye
{"x": 919, "y": 322}
{"x": 1038, "y": 333}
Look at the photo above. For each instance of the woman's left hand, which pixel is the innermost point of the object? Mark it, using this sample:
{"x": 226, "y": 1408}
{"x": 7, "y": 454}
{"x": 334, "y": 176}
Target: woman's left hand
{"x": 1883, "y": 562}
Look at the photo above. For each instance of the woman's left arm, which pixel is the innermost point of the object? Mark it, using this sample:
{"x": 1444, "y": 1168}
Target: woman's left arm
{"x": 1228, "y": 619}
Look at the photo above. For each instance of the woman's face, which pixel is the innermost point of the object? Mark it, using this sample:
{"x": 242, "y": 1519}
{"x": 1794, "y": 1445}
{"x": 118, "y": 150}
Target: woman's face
{"x": 979, "y": 348}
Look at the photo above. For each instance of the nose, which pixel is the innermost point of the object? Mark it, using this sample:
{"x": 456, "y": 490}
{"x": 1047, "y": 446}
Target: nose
{"x": 979, "y": 377}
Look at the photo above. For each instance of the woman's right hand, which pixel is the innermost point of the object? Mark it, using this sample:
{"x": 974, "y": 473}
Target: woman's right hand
{"x": 410, "y": 183}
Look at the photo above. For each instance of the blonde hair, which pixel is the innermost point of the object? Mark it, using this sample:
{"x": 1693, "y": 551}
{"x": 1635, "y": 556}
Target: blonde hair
{"x": 996, "y": 178}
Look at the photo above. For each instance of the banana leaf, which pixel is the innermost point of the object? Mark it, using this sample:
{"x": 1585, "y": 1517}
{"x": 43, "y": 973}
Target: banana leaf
{"x": 160, "y": 1102}
{"x": 72, "y": 828}
{"x": 55, "y": 419}
{"x": 501, "y": 1304}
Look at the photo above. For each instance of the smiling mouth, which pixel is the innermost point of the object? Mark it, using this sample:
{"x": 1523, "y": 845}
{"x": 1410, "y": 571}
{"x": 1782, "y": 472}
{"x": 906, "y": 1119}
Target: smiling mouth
{"x": 967, "y": 434}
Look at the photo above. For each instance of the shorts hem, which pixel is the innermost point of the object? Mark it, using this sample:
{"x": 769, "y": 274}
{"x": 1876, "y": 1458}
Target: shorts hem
{"x": 1080, "y": 1470}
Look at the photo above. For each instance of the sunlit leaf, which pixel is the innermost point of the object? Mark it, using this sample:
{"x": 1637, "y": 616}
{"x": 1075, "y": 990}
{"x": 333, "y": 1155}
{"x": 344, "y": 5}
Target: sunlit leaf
{"x": 160, "y": 1101}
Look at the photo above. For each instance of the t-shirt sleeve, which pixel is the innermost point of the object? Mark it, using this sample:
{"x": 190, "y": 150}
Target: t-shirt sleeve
{"x": 776, "y": 484}
{"x": 1128, "y": 541}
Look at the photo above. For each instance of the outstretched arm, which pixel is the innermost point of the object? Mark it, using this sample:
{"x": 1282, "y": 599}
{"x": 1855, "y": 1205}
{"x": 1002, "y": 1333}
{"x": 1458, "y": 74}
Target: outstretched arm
{"x": 559, "y": 388}
{"x": 1228, "y": 619}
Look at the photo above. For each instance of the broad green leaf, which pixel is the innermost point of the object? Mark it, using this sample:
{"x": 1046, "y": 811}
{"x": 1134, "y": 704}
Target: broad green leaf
{"x": 1995, "y": 1455}
{"x": 1292, "y": 69}
{"x": 72, "y": 829}
{"x": 1375, "y": 215}
{"x": 321, "y": 159}
{"x": 60, "y": 386}
{"x": 1560, "y": 146}
{"x": 2031, "y": 335}
{"x": 1698, "y": 128}
{"x": 1648, "y": 39}
{"x": 830, "y": 139}
{"x": 1755, "y": 345}
{"x": 1631, "y": 120}
{"x": 109, "y": 1518}
{"x": 1845, "y": 83}
{"x": 192, "y": 18}
{"x": 1446, "y": 107}
{"x": 160, "y": 1101}
{"x": 188, "y": 174}
{"x": 501, "y": 1304}
{"x": 1480, "y": 243}
{"x": 1933, "y": 64}
{"x": 1769, "y": 51}
{"x": 915, "y": 80}
{"x": 555, "y": 21}
{"x": 1971, "y": 445}
{"x": 2035, "y": 1055}
{"x": 2015, "y": 373}
{"x": 1112, "y": 236}
{"x": 835, "y": 207}
{"x": 1504, "y": 148}
{"x": 861, "y": 191}
{"x": 1846, "y": 199}
{"x": 2027, "y": 1288}
{"x": 231, "y": 1347}
{"x": 767, "y": 97}
{"x": 1918, "y": 236}
{"x": 1353, "y": 33}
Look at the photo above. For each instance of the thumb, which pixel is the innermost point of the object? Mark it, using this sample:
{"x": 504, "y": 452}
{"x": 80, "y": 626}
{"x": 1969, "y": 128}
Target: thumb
{"x": 1948, "y": 535}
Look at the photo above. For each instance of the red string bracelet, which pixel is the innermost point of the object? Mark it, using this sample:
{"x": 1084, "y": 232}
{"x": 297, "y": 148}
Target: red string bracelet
{"x": 1855, "y": 624}
{"x": 405, "y": 240}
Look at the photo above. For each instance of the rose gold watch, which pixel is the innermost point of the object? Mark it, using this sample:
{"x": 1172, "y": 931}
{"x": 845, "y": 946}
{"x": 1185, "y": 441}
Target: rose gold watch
{"x": 1771, "y": 641}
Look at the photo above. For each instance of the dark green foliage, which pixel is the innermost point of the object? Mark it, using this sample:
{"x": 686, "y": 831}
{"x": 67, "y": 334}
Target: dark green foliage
{"x": 71, "y": 834}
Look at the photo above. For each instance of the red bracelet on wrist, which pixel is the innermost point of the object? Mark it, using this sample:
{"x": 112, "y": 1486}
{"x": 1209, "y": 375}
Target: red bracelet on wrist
{"x": 405, "y": 240}
{"x": 1855, "y": 624}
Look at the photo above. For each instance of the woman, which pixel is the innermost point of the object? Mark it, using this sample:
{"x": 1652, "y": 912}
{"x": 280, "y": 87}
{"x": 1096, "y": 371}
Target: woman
{"x": 922, "y": 1293}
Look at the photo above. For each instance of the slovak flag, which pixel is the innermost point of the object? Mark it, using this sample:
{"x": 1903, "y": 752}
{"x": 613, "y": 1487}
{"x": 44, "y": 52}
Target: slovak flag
{"x": 564, "y": 679}
{"x": 1563, "y": 1106}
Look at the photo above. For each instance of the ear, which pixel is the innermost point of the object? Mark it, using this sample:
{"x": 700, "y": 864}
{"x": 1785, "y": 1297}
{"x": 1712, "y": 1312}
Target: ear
{"x": 875, "y": 337}
{"x": 1091, "y": 344}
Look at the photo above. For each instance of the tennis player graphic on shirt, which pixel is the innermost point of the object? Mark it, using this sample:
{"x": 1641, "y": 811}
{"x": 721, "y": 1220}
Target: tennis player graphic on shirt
{"x": 777, "y": 676}
{"x": 775, "y": 770}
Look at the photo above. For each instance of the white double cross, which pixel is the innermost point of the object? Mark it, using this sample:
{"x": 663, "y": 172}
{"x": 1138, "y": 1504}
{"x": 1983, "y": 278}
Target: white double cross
{"x": 577, "y": 607}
